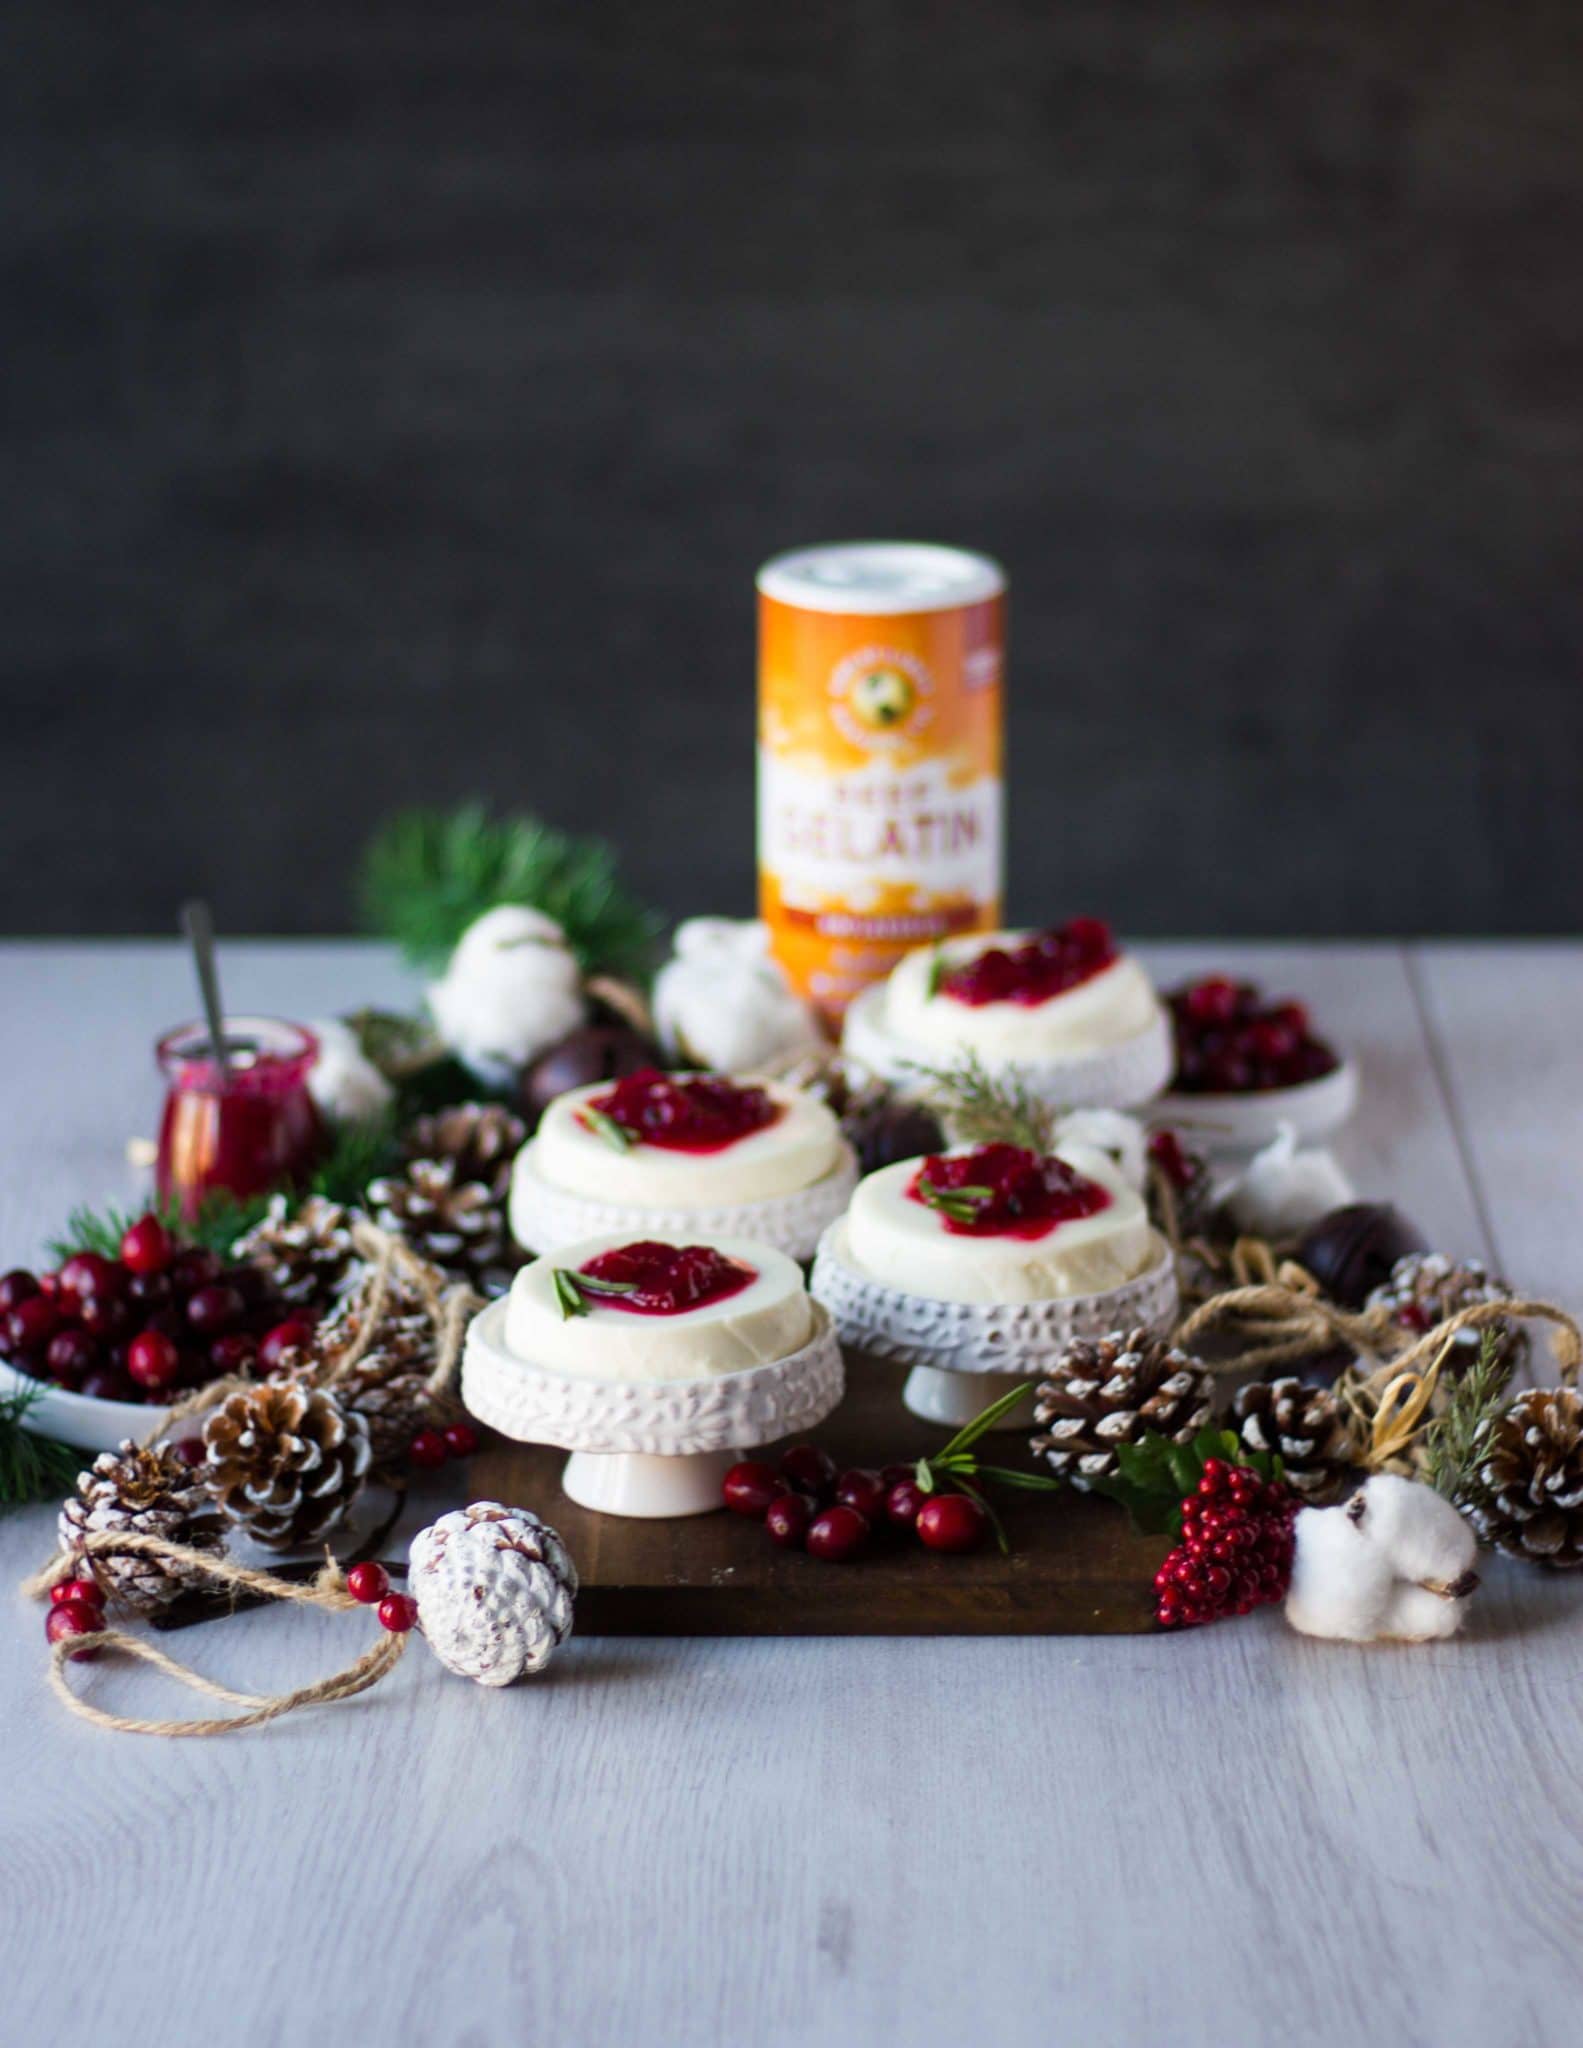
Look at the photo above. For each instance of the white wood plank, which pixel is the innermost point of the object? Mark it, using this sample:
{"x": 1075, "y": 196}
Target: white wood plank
{"x": 1232, "y": 1837}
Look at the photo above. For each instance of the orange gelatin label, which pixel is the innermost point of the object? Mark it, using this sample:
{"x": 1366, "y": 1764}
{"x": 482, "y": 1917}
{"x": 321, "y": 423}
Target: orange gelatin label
{"x": 880, "y": 792}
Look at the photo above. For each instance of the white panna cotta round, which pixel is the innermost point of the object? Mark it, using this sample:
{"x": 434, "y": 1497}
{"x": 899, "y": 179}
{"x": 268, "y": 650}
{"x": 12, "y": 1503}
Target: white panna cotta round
{"x": 798, "y": 1149}
{"x": 1113, "y": 1005}
{"x": 769, "y": 1319}
{"x": 907, "y": 1245}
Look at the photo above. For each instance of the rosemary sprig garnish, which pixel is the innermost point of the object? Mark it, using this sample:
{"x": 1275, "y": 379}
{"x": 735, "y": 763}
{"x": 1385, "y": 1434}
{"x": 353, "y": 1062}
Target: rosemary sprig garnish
{"x": 937, "y": 971}
{"x": 603, "y": 1125}
{"x": 960, "y": 1205}
{"x": 981, "y": 1108}
{"x": 955, "y": 1467}
{"x": 1451, "y": 1442}
{"x": 572, "y": 1290}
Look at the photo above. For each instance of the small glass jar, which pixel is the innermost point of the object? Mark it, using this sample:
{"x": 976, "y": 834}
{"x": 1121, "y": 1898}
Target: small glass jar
{"x": 255, "y": 1129}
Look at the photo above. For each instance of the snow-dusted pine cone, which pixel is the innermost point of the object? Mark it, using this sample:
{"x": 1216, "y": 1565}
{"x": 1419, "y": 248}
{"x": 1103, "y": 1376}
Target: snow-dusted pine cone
{"x": 1306, "y": 1428}
{"x": 308, "y": 1255}
{"x": 1526, "y": 1488}
{"x": 481, "y": 1139}
{"x": 141, "y": 1492}
{"x": 1111, "y": 1390}
{"x": 494, "y": 1588}
{"x": 285, "y": 1461}
{"x": 1426, "y": 1287}
{"x": 458, "y": 1225}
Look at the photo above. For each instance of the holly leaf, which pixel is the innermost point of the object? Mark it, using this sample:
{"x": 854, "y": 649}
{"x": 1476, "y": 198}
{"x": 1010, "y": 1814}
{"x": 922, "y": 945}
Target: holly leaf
{"x": 1155, "y": 1475}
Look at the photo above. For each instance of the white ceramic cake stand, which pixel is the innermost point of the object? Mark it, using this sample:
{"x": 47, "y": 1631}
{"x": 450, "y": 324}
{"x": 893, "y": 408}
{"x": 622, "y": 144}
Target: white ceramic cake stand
{"x": 544, "y": 1216}
{"x": 965, "y": 1354}
{"x": 1314, "y": 1110}
{"x": 652, "y": 1448}
{"x": 1122, "y": 1076}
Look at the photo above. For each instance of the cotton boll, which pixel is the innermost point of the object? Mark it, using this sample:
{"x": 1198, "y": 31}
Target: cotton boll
{"x": 512, "y": 988}
{"x": 346, "y": 1086}
{"x": 1415, "y": 1615}
{"x": 1395, "y": 1562}
{"x": 1121, "y": 1136}
{"x": 1420, "y": 1532}
{"x": 1341, "y": 1585}
{"x": 1282, "y": 1190}
{"x": 722, "y": 1002}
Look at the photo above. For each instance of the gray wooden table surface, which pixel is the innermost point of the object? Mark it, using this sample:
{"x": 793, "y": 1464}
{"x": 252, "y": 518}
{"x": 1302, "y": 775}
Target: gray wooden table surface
{"x": 1226, "y": 1838}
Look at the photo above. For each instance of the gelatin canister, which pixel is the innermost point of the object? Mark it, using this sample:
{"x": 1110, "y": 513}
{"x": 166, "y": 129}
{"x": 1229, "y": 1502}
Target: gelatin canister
{"x": 879, "y": 757}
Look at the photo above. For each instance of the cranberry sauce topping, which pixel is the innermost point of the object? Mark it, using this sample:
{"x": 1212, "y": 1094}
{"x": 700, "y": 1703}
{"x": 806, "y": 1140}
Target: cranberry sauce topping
{"x": 1046, "y": 966}
{"x": 1229, "y": 1041}
{"x": 1004, "y": 1191}
{"x": 686, "y": 1113}
{"x": 652, "y": 1279}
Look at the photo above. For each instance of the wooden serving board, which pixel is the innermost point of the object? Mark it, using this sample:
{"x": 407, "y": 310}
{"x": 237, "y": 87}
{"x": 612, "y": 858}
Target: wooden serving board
{"x": 1076, "y": 1567}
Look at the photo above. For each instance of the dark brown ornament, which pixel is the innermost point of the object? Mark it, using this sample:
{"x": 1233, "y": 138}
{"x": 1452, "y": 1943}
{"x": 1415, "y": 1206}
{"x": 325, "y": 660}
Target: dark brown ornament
{"x": 591, "y": 1053}
{"x": 1351, "y": 1251}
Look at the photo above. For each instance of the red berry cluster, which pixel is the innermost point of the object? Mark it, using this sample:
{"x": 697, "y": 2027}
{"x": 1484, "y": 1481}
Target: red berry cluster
{"x": 431, "y": 1448}
{"x": 807, "y": 1504}
{"x": 76, "y": 1608}
{"x": 163, "y": 1316}
{"x": 370, "y": 1583}
{"x": 1236, "y": 1548}
{"x": 1229, "y": 1041}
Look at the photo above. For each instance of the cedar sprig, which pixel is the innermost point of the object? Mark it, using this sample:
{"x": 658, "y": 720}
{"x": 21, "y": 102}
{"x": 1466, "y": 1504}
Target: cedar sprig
{"x": 32, "y": 1467}
{"x": 982, "y": 1108}
{"x": 428, "y": 874}
{"x": 1452, "y": 1441}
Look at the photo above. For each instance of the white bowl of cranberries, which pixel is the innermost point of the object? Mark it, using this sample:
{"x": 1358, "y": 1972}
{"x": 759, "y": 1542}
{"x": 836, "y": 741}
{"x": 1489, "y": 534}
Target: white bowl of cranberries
{"x": 104, "y": 1343}
{"x": 1248, "y": 1064}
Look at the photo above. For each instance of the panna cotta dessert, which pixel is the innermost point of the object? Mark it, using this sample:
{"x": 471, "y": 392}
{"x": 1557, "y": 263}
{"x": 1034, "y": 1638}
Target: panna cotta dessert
{"x": 1072, "y": 1013}
{"x": 645, "y": 1309}
{"x": 976, "y": 1266}
{"x": 683, "y": 1154}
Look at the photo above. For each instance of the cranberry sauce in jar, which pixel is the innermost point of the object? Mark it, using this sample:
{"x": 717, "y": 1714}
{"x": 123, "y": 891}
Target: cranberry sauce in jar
{"x": 240, "y": 1133}
{"x": 648, "y": 1278}
{"x": 685, "y": 1112}
{"x": 1005, "y": 1191}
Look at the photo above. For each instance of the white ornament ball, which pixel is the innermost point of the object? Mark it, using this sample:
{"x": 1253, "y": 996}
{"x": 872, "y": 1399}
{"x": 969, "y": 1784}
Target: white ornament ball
{"x": 346, "y": 1086}
{"x": 1283, "y": 1189}
{"x": 494, "y": 1588}
{"x": 721, "y": 1001}
{"x": 512, "y": 988}
{"x": 1395, "y": 1563}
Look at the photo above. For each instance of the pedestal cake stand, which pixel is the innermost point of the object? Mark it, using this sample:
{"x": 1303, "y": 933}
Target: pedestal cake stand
{"x": 655, "y": 1448}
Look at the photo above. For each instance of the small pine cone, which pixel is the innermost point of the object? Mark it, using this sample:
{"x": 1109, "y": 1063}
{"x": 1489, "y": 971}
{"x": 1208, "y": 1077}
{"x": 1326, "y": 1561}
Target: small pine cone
{"x": 394, "y": 1398}
{"x": 1426, "y": 1287}
{"x": 1108, "y": 1391}
{"x": 285, "y": 1461}
{"x": 1526, "y": 1491}
{"x": 141, "y": 1492}
{"x": 481, "y": 1139}
{"x": 458, "y": 1225}
{"x": 1306, "y": 1428}
{"x": 308, "y": 1256}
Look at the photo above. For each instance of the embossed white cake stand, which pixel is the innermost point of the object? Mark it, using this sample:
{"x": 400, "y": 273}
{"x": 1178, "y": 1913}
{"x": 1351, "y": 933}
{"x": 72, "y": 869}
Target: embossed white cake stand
{"x": 653, "y": 1448}
{"x": 1121, "y": 1076}
{"x": 544, "y": 1216}
{"x": 965, "y": 1354}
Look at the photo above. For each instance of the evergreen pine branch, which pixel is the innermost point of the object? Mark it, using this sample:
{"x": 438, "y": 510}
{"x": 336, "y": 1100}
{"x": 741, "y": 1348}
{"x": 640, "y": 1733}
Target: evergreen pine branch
{"x": 982, "y": 1108}
{"x": 1451, "y": 1442}
{"x": 31, "y": 1467}
{"x": 427, "y": 874}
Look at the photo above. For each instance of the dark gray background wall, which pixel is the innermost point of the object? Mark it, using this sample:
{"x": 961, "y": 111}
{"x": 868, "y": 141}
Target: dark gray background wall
{"x": 398, "y": 400}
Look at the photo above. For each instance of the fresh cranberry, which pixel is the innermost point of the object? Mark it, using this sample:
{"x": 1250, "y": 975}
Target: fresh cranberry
{"x": 233, "y": 1354}
{"x": 291, "y": 1335}
{"x": 398, "y": 1612}
{"x": 1213, "y": 1000}
{"x": 1230, "y": 1041}
{"x": 1004, "y": 1191}
{"x": 215, "y": 1309}
{"x": 788, "y": 1519}
{"x": 146, "y": 1292}
{"x": 15, "y": 1288}
{"x": 106, "y": 1315}
{"x": 193, "y": 1268}
{"x": 808, "y": 1469}
{"x": 1169, "y": 1155}
{"x": 152, "y": 1361}
{"x": 686, "y": 1113}
{"x": 461, "y": 1439}
{"x": 32, "y": 1323}
{"x": 91, "y": 1273}
{"x": 253, "y": 1286}
{"x": 952, "y": 1521}
{"x": 108, "y": 1384}
{"x": 836, "y": 1534}
{"x": 893, "y": 1475}
{"x": 864, "y": 1490}
{"x": 146, "y": 1246}
{"x": 904, "y": 1503}
{"x": 368, "y": 1583}
{"x": 74, "y": 1618}
{"x": 658, "y": 1279}
{"x": 427, "y": 1450}
{"x": 71, "y": 1356}
{"x": 1046, "y": 966}
{"x": 749, "y": 1487}
{"x": 191, "y": 1450}
{"x": 85, "y": 1590}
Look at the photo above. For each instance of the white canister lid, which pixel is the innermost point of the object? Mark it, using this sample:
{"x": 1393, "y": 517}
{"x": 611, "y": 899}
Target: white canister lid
{"x": 881, "y": 576}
